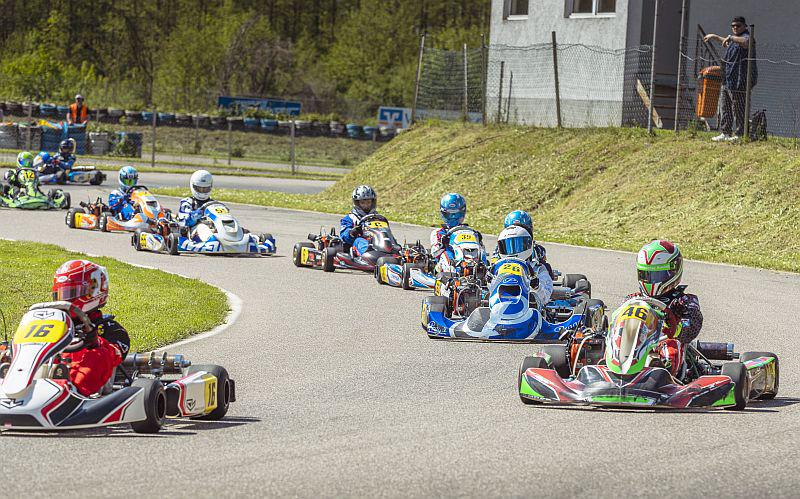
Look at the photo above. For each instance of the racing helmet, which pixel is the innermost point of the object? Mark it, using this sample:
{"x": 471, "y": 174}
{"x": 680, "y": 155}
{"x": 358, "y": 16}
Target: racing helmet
{"x": 41, "y": 160}
{"x": 82, "y": 283}
{"x": 25, "y": 160}
{"x": 453, "y": 208}
{"x": 515, "y": 242}
{"x": 364, "y": 200}
{"x": 521, "y": 218}
{"x": 128, "y": 177}
{"x": 67, "y": 146}
{"x": 201, "y": 184}
{"x": 660, "y": 267}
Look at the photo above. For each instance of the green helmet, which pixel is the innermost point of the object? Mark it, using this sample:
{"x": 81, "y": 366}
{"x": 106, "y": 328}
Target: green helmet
{"x": 660, "y": 267}
{"x": 25, "y": 160}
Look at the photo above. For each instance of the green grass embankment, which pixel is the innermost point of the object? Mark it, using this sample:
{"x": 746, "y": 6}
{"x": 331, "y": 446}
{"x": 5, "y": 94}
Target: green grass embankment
{"x": 155, "y": 307}
{"x": 609, "y": 188}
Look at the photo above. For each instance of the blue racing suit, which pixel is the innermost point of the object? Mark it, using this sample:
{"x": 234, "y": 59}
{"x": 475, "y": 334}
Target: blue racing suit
{"x": 66, "y": 162}
{"x": 120, "y": 204}
{"x": 188, "y": 213}
{"x": 357, "y": 242}
{"x": 541, "y": 282}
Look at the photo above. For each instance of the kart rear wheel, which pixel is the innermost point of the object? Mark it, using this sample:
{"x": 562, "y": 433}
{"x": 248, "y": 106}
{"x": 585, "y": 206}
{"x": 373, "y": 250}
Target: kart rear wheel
{"x": 327, "y": 259}
{"x": 224, "y": 390}
{"x": 738, "y": 374}
{"x": 754, "y": 355}
{"x": 297, "y": 252}
{"x": 97, "y": 179}
{"x": 172, "y": 244}
{"x": 102, "y": 224}
{"x": 572, "y": 280}
{"x": 384, "y": 260}
{"x": 527, "y": 363}
{"x": 70, "y": 218}
{"x": 155, "y": 405}
{"x": 559, "y": 360}
{"x": 67, "y": 201}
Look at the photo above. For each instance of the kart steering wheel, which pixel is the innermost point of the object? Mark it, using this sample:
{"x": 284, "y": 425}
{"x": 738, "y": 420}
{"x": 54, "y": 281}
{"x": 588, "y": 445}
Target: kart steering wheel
{"x": 371, "y": 217}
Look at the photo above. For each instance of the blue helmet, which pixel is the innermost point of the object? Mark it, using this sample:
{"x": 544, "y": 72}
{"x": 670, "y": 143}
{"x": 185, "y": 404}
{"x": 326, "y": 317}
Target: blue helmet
{"x": 520, "y": 218}
{"x": 453, "y": 208}
{"x": 128, "y": 177}
{"x": 41, "y": 160}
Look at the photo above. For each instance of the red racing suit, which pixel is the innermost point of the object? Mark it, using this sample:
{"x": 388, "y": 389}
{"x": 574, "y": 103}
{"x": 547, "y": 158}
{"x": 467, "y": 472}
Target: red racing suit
{"x": 682, "y": 323}
{"x": 105, "y": 349}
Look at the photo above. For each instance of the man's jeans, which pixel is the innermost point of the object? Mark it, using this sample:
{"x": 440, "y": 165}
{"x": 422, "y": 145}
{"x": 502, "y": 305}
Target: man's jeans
{"x": 732, "y": 107}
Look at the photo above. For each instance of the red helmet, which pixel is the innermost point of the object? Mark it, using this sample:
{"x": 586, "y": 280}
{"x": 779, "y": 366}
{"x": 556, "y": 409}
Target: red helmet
{"x": 82, "y": 283}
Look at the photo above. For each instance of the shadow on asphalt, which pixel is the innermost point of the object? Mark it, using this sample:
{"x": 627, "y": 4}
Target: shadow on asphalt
{"x": 756, "y": 406}
{"x": 172, "y": 428}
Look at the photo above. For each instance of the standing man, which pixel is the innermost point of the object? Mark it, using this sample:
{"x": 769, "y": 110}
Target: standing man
{"x": 735, "y": 89}
{"x": 77, "y": 114}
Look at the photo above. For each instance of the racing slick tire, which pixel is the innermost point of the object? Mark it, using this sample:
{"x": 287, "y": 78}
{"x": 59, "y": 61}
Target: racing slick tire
{"x": 136, "y": 240}
{"x": 172, "y": 244}
{"x": 67, "y": 200}
{"x": 155, "y": 405}
{"x": 297, "y": 252}
{"x": 527, "y": 363}
{"x": 559, "y": 359}
{"x": 70, "y": 218}
{"x": 384, "y": 260}
{"x": 572, "y": 280}
{"x": 432, "y": 304}
{"x": 97, "y": 179}
{"x": 596, "y": 323}
{"x": 264, "y": 236}
{"x": 102, "y": 224}
{"x": 225, "y": 390}
{"x": 406, "y": 278}
{"x": 327, "y": 259}
{"x": 738, "y": 374}
{"x": 754, "y": 355}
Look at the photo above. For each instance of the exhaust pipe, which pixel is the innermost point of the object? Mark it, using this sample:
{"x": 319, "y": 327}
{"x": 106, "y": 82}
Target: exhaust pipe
{"x": 717, "y": 351}
{"x": 152, "y": 364}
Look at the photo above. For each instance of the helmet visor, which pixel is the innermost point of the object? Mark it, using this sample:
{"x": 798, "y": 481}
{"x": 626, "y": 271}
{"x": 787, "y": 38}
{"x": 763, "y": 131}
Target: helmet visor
{"x": 514, "y": 245}
{"x": 656, "y": 276}
{"x": 129, "y": 181}
{"x": 68, "y": 293}
{"x": 202, "y": 189}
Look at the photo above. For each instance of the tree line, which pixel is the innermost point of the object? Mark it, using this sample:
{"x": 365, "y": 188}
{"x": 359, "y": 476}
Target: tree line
{"x": 182, "y": 54}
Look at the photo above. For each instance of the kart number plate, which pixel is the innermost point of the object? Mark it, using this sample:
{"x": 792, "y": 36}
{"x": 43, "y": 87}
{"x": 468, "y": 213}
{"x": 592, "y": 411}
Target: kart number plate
{"x": 303, "y": 255}
{"x": 28, "y": 175}
{"x": 143, "y": 240}
{"x": 210, "y": 392}
{"x": 466, "y": 237}
{"x": 510, "y": 268}
{"x": 42, "y": 331}
{"x": 639, "y": 313}
{"x": 220, "y": 210}
{"x": 377, "y": 225}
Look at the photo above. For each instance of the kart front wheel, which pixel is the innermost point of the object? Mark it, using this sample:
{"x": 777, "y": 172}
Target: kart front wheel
{"x": 327, "y": 259}
{"x": 103, "y": 223}
{"x": 70, "y": 219}
{"x": 528, "y": 363}
{"x": 741, "y": 390}
{"x": 155, "y": 405}
{"x": 297, "y": 253}
{"x": 754, "y": 355}
{"x": 406, "y": 277}
{"x": 384, "y": 260}
{"x": 67, "y": 201}
{"x": 559, "y": 360}
{"x": 172, "y": 244}
{"x": 136, "y": 240}
{"x": 225, "y": 391}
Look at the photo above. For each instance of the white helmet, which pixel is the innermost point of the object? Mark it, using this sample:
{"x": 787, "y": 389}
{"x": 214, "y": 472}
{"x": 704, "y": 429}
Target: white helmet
{"x": 515, "y": 242}
{"x": 201, "y": 184}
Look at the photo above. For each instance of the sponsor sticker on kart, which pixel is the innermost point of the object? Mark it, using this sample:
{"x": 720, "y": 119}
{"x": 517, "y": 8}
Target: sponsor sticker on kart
{"x": 434, "y": 328}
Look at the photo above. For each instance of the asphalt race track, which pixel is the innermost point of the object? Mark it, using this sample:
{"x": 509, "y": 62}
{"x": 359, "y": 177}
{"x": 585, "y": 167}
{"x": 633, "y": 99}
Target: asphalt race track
{"x": 153, "y": 179}
{"x": 340, "y": 393}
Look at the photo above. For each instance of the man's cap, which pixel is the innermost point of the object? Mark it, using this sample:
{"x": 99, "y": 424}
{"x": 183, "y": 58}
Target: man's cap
{"x": 79, "y": 96}
{"x": 739, "y": 19}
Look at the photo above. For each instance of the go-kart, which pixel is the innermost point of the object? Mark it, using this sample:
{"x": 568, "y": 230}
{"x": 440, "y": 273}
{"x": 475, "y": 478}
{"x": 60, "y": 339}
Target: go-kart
{"x": 329, "y": 252}
{"x": 621, "y": 369}
{"x": 75, "y": 175}
{"x": 504, "y": 308}
{"x": 418, "y": 273}
{"x": 404, "y": 271}
{"x": 36, "y": 394}
{"x": 28, "y": 196}
{"x": 97, "y": 215}
{"x": 216, "y": 233}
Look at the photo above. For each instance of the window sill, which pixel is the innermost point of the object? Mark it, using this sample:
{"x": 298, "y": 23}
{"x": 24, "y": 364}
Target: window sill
{"x": 517, "y": 18}
{"x": 608, "y": 15}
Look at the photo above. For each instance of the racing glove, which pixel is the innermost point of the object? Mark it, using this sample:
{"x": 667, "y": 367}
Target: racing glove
{"x": 193, "y": 218}
{"x": 355, "y": 231}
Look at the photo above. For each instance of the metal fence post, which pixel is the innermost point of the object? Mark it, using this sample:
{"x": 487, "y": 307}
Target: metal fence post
{"x": 196, "y": 134}
{"x": 508, "y": 103}
{"x": 500, "y": 93}
{"x": 153, "y": 152}
{"x": 291, "y": 146}
{"x": 681, "y": 48}
{"x": 30, "y": 126}
{"x": 555, "y": 78}
{"x": 652, "y": 71}
{"x": 230, "y": 139}
{"x": 416, "y": 82}
{"x": 466, "y": 87}
{"x": 749, "y": 89}
{"x": 484, "y": 70}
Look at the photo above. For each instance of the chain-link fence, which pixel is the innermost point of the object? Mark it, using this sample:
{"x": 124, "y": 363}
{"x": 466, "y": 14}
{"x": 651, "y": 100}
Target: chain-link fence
{"x": 451, "y": 84}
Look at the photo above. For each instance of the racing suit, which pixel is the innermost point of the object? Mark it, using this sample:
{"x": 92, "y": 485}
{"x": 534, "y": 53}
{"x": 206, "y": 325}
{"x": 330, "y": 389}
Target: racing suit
{"x": 541, "y": 256}
{"x": 350, "y": 232}
{"x": 541, "y": 282}
{"x": 682, "y": 323}
{"x": 105, "y": 348}
{"x": 440, "y": 245}
{"x": 120, "y": 204}
{"x": 64, "y": 161}
{"x": 187, "y": 210}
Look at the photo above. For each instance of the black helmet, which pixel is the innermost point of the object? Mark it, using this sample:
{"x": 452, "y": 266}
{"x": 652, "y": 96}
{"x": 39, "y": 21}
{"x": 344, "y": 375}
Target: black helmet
{"x": 364, "y": 193}
{"x": 67, "y": 146}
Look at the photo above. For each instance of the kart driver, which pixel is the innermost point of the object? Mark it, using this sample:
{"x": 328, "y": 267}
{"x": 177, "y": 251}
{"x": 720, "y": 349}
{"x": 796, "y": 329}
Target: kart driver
{"x": 364, "y": 203}
{"x": 522, "y": 219}
{"x": 85, "y": 285}
{"x": 200, "y": 184}
{"x": 22, "y": 175}
{"x": 119, "y": 201}
{"x": 453, "y": 209}
{"x": 65, "y": 159}
{"x": 516, "y": 242}
{"x": 660, "y": 268}
{"x": 43, "y": 163}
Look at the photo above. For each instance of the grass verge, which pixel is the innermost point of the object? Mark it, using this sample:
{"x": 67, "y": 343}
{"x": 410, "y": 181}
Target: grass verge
{"x": 150, "y": 304}
{"x": 610, "y": 188}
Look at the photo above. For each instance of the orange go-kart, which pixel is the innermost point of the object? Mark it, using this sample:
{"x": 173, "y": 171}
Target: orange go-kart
{"x": 97, "y": 215}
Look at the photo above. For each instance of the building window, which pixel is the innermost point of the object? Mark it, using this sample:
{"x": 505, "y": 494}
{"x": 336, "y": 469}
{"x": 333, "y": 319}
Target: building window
{"x": 586, "y": 8}
{"x": 516, "y": 9}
